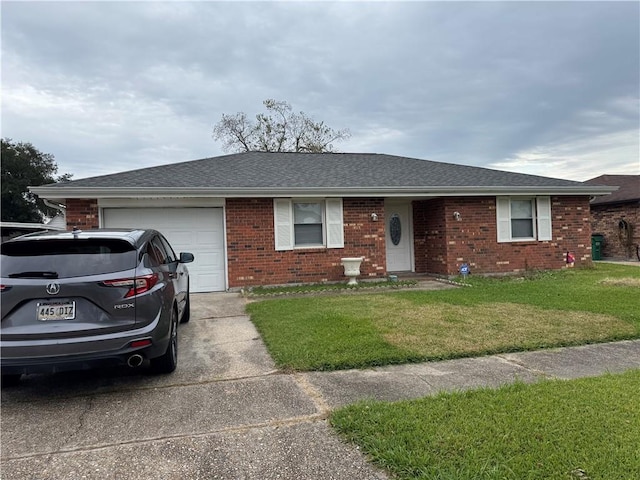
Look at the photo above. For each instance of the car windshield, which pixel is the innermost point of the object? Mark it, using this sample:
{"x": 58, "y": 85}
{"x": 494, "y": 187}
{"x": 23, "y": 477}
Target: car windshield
{"x": 64, "y": 258}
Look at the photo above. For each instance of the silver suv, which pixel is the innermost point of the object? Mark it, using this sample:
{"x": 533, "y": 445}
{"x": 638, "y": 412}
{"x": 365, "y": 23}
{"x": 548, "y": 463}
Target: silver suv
{"x": 83, "y": 299}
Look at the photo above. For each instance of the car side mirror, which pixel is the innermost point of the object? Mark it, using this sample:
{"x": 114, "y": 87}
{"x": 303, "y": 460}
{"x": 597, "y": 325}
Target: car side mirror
{"x": 186, "y": 257}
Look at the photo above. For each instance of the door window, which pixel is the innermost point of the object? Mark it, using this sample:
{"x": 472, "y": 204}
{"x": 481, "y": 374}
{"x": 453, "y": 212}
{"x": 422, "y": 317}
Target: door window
{"x": 158, "y": 252}
{"x": 395, "y": 229}
{"x": 171, "y": 255}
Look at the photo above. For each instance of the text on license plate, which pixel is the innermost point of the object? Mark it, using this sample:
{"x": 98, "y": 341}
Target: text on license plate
{"x": 56, "y": 311}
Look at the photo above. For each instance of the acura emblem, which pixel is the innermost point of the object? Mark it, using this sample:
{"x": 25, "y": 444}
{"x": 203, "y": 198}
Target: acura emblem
{"x": 53, "y": 288}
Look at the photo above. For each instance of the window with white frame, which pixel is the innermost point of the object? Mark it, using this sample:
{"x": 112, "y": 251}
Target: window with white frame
{"x": 523, "y": 218}
{"x": 308, "y": 223}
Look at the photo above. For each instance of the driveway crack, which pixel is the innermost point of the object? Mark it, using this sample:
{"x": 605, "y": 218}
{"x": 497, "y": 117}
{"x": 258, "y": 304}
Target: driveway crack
{"x": 82, "y": 418}
{"x": 277, "y": 423}
{"x": 313, "y": 393}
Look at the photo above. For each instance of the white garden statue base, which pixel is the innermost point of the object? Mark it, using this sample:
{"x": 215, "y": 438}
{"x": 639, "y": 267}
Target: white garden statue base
{"x": 352, "y": 268}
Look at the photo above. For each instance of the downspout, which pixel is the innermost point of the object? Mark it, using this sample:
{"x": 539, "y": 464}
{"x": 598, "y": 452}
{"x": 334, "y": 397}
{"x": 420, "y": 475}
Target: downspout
{"x": 56, "y": 206}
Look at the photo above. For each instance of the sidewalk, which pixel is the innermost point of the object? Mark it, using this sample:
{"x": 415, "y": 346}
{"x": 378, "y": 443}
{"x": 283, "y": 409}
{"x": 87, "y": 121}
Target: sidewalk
{"x": 400, "y": 382}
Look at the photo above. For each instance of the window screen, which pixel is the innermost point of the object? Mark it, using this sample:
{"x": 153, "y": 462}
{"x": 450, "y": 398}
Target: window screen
{"x": 522, "y": 219}
{"x": 307, "y": 223}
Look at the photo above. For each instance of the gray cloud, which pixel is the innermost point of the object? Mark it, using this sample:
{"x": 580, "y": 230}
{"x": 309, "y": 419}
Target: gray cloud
{"x": 106, "y": 86}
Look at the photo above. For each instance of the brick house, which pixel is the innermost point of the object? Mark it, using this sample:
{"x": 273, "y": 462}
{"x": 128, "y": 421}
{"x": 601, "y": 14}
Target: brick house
{"x": 617, "y": 216}
{"x": 274, "y": 218}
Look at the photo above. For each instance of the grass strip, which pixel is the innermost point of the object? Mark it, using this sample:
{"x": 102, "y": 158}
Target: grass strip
{"x": 579, "y": 429}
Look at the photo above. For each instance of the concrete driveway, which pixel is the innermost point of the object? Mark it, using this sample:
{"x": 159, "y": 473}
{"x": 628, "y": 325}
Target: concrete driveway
{"x": 226, "y": 413}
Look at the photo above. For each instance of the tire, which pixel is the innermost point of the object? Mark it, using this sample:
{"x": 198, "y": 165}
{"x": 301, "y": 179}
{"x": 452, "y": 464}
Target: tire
{"x": 186, "y": 314}
{"x": 11, "y": 380}
{"x": 168, "y": 361}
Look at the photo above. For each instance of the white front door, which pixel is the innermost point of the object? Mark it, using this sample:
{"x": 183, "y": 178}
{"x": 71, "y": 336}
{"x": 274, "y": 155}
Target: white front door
{"x": 399, "y": 236}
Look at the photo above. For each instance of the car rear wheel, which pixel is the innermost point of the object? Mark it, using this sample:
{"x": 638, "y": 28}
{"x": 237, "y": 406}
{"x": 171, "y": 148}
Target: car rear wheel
{"x": 168, "y": 361}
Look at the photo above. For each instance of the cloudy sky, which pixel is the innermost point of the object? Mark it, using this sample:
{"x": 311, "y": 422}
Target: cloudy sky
{"x": 545, "y": 88}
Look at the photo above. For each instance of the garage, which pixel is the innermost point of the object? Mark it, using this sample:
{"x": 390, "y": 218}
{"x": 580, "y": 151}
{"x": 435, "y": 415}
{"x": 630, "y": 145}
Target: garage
{"x": 196, "y": 230}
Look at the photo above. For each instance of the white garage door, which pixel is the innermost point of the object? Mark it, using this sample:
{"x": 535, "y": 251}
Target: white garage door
{"x": 196, "y": 230}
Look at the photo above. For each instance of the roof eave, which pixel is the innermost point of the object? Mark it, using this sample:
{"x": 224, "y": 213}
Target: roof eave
{"x": 61, "y": 193}
{"x": 604, "y": 201}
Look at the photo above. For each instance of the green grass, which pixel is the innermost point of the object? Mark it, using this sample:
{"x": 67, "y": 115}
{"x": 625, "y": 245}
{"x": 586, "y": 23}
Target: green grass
{"x": 579, "y": 429}
{"x": 328, "y": 287}
{"x": 540, "y": 310}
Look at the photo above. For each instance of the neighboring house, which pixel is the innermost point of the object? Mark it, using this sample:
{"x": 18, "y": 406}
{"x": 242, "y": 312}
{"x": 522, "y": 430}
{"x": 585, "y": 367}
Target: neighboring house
{"x": 275, "y": 218}
{"x": 14, "y": 229}
{"x": 617, "y": 216}
{"x": 59, "y": 222}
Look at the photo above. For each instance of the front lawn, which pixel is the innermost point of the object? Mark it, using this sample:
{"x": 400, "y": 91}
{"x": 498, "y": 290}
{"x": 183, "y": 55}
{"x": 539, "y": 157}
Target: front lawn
{"x": 581, "y": 429}
{"x": 547, "y": 309}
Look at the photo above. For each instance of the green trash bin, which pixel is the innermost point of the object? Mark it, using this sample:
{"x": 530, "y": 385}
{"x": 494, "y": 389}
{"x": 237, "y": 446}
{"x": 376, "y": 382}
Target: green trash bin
{"x": 596, "y": 246}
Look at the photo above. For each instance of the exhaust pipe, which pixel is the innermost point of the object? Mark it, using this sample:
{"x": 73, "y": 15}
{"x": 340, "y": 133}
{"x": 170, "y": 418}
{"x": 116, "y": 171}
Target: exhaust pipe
{"x": 135, "y": 360}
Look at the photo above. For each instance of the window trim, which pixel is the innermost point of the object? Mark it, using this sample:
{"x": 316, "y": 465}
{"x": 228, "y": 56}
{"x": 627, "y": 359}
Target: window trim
{"x": 284, "y": 227}
{"x": 531, "y": 219}
{"x": 541, "y": 220}
{"x": 323, "y": 222}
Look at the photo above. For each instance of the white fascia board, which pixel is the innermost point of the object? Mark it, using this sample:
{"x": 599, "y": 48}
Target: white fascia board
{"x": 158, "y": 202}
{"x": 61, "y": 193}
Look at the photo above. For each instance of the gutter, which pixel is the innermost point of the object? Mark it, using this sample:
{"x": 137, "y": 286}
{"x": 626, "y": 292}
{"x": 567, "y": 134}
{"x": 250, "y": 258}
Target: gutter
{"x": 62, "y": 193}
{"x": 56, "y": 206}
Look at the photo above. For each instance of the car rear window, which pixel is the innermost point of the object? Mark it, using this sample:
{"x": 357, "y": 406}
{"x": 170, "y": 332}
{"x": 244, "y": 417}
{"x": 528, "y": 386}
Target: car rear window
{"x": 63, "y": 258}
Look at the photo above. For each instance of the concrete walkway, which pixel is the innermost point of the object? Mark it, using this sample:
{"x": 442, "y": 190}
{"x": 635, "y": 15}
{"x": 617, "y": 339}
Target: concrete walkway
{"x": 228, "y": 413}
{"x": 630, "y": 262}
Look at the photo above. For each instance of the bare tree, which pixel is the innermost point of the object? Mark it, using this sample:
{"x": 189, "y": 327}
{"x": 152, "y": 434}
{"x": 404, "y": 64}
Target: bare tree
{"x": 280, "y": 129}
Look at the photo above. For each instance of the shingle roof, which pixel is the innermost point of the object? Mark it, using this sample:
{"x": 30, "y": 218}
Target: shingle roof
{"x": 256, "y": 171}
{"x": 629, "y": 188}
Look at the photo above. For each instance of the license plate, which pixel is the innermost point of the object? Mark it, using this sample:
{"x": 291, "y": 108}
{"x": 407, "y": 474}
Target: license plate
{"x": 56, "y": 311}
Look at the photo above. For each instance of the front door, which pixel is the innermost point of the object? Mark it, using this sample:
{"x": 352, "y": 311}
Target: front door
{"x": 398, "y": 236}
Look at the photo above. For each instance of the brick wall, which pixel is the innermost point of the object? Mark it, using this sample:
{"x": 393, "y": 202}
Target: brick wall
{"x": 430, "y": 240}
{"x": 605, "y": 220}
{"x": 444, "y": 244}
{"x": 82, "y": 213}
{"x": 253, "y": 260}
{"x": 441, "y": 244}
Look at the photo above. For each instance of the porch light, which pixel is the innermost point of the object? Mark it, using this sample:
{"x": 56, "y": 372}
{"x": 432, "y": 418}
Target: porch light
{"x": 374, "y": 217}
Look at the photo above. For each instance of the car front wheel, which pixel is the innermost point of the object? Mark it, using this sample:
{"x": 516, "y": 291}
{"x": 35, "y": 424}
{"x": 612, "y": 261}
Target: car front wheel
{"x": 168, "y": 361}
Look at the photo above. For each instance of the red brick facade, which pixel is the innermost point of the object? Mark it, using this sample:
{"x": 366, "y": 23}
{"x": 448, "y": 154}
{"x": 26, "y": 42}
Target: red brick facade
{"x": 82, "y": 213}
{"x": 441, "y": 243}
{"x": 253, "y": 260}
{"x": 618, "y": 241}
